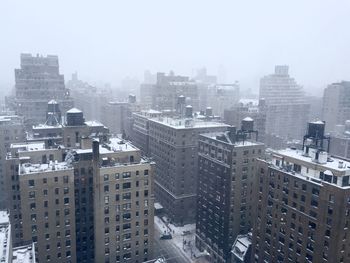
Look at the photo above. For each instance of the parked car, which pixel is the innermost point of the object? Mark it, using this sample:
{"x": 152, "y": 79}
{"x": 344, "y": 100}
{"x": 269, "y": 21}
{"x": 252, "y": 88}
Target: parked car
{"x": 166, "y": 236}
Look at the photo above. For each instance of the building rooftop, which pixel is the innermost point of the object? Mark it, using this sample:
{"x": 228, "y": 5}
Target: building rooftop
{"x": 23, "y": 254}
{"x": 187, "y": 123}
{"x": 331, "y": 164}
{"x": 74, "y": 110}
{"x": 225, "y": 138}
{"x": 29, "y": 146}
{"x": 94, "y": 123}
{"x": 28, "y": 168}
{"x": 325, "y": 170}
{"x": 117, "y": 145}
{"x": 241, "y": 246}
{"x": 45, "y": 126}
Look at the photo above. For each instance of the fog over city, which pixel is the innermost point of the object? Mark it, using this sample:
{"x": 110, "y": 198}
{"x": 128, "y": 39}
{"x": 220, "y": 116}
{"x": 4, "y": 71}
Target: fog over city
{"x": 174, "y": 131}
{"x": 110, "y": 40}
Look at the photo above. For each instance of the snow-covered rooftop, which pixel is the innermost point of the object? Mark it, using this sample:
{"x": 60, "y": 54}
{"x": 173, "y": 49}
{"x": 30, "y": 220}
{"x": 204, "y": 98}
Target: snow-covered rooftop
{"x": 24, "y": 254}
{"x": 241, "y": 246}
{"x": 28, "y": 168}
{"x": 30, "y": 146}
{"x": 116, "y": 144}
{"x": 188, "y": 123}
{"x": 52, "y": 102}
{"x": 93, "y": 123}
{"x": 74, "y": 110}
{"x": 332, "y": 164}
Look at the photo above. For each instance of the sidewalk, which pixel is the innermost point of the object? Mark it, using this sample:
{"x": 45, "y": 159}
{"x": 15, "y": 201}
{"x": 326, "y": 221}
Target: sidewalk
{"x": 185, "y": 243}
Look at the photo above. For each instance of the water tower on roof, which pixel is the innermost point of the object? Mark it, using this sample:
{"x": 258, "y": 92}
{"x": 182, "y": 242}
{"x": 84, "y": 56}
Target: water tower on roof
{"x": 75, "y": 117}
{"x": 53, "y": 114}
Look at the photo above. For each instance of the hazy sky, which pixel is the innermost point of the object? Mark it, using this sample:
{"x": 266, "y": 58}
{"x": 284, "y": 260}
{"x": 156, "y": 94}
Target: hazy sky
{"x": 109, "y": 40}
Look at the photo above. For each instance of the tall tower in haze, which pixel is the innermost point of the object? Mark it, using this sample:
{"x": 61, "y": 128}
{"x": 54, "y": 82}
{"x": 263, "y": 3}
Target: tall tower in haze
{"x": 287, "y": 109}
{"x": 37, "y": 82}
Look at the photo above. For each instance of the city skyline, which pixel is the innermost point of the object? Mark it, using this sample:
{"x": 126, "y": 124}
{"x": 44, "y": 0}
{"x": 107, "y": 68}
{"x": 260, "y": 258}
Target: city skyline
{"x": 246, "y": 41}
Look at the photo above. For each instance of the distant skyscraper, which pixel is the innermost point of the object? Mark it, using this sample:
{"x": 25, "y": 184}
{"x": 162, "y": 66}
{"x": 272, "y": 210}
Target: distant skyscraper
{"x": 287, "y": 109}
{"x": 37, "y": 82}
{"x": 225, "y": 202}
{"x": 248, "y": 108}
{"x": 88, "y": 98}
{"x": 222, "y": 97}
{"x": 117, "y": 115}
{"x": 169, "y": 87}
{"x": 303, "y": 199}
{"x": 336, "y": 104}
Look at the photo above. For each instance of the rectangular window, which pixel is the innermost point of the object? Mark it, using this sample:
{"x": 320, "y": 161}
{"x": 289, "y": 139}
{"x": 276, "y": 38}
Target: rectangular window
{"x": 31, "y": 183}
{"x": 106, "y": 177}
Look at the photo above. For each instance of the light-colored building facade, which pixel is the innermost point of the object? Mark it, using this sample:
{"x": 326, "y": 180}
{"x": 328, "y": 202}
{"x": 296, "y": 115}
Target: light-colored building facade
{"x": 303, "y": 210}
{"x": 222, "y": 97}
{"x": 287, "y": 110}
{"x": 336, "y": 104}
{"x": 48, "y": 210}
{"x": 37, "y": 82}
{"x": 169, "y": 87}
{"x": 123, "y": 203}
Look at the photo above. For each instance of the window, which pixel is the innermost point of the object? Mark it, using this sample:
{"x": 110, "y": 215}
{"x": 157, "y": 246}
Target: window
{"x": 106, "y": 177}
{"x": 65, "y": 179}
{"x": 126, "y": 175}
{"x": 31, "y": 183}
{"x": 145, "y": 172}
{"x": 127, "y": 185}
{"x": 56, "y": 179}
{"x": 126, "y": 196}
{"x": 117, "y": 176}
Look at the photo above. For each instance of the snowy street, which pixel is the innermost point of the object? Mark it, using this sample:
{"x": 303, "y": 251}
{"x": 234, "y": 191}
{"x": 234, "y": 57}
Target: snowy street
{"x": 182, "y": 242}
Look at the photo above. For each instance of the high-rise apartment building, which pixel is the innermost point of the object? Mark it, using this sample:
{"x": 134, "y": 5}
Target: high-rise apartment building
{"x": 140, "y": 133}
{"x": 48, "y": 210}
{"x": 89, "y": 202}
{"x": 8, "y": 253}
{"x": 303, "y": 204}
{"x": 37, "y": 82}
{"x": 336, "y": 104}
{"x": 226, "y": 181}
{"x": 169, "y": 87}
{"x": 123, "y": 203}
{"x": 11, "y": 131}
{"x": 173, "y": 146}
{"x": 287, "y": 111}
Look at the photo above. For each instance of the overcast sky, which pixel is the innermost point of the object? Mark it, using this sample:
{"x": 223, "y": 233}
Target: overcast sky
{"x": 108, "y": 40}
